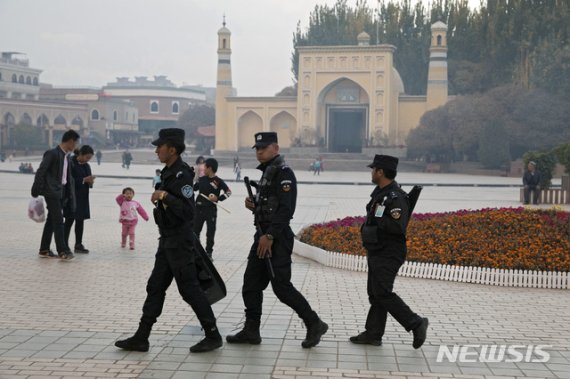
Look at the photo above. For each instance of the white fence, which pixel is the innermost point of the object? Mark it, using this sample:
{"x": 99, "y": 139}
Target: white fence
{"x": 480, "y": 275}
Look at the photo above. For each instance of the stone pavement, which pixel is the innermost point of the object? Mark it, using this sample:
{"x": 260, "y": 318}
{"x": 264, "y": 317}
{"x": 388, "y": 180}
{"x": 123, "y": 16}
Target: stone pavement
{"x": 60, "y": 319}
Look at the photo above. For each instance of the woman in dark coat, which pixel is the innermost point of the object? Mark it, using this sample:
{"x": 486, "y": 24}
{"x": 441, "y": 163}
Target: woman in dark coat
{"x": 81, "y": 172}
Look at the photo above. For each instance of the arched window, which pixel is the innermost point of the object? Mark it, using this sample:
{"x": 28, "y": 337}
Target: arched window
{"x": 0, "y": 76}
{"x": 14, "y": 78}
{"x": 115, "y": 115}
{"x": 29, "y": 80}
{"x": 94, "y": 114}
{"x": 35, "y": 81}
{"x": 224, "y": 43}
{"x": 154, "y": 106}
{"x": 21, "y": 79}
{"x": 438, "y": 40}
{"x": 175, "y": 107}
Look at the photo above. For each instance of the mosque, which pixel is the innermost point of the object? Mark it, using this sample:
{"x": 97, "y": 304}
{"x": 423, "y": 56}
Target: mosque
{"x": 349, "y": 99}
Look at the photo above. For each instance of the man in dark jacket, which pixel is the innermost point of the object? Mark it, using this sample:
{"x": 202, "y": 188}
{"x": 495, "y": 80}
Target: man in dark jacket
{"x": 276, "y": 200}
{"x": 384, "y": 237}
{"x": 210, "y": 186}
{"x": 175, "y": 257}
{"x": 54, "y": 182}
{"x": 531, "y": 182}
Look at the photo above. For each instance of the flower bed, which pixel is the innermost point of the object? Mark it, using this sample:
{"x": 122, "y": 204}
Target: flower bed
{"x": 506, "y": 238}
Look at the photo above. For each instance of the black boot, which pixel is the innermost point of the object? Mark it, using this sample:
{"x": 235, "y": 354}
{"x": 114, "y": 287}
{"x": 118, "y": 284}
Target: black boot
{"x": 139, "y": 341}
{"x": 315, "y": 331}
{"x": 366, "y": 338}
{"x": 249, "y": 334}
{"x": 212, "y": 341}
{"x": 420, "y": 333}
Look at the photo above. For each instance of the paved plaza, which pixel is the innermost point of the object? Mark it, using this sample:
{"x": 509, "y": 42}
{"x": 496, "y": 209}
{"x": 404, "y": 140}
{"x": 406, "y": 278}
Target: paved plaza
{"x": 60, "y": 319}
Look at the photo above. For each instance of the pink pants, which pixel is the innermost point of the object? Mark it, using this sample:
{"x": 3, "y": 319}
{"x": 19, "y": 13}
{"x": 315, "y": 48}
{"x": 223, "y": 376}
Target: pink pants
{"x": 128, "y": 230}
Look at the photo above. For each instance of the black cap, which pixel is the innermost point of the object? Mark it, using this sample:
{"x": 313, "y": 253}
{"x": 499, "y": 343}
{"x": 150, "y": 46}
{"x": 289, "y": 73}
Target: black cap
{"x": 173, "y": 135}
{"x": 263, "y": 139}
{"x": 384, "y": 161}
{"x": 212, "y": 163}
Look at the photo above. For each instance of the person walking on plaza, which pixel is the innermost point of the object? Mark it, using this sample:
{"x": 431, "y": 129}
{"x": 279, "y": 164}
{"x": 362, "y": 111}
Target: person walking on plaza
{"x": 210, "y": 186}
{"x": 384, "y": 237}
{"x": 277, "y": 197}
{"x": 175, "y": 257}
{"x": 127, "y": 159}
{"x": 128, "y": 216}
{"x": 156, "y": 179}
{"x": 83, "y": 179}
{"x": 54, "y": 181}
{"x": 531, "y": 182}
{"x": 99, "y": 155}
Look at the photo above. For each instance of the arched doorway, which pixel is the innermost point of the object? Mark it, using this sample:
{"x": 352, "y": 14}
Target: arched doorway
{"x": 343, "y": 106}
{"x": 248, "y": 124}
{"x": 285, "y": 126}
{"x": 26, "y": 119}
{"x": 8, "y": 123}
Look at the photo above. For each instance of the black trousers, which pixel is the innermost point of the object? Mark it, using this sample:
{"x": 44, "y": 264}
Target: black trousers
{"x": 54, "y": 226}
{"x": 206, "y": 215}
{"x": 78, "y": 230}
{"x": 535, "y": 194}
{"x": 257, "y": 278}
{"x": 382, "y": 270}
{"x": 175, "y": 260}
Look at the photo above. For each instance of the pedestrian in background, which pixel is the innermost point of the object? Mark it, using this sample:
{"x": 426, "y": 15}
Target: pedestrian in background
{"x": 83, "y": 179}
{"x": 128, "y": 217}
{"x": 99, "y": 155}
{"x": 211, "y": 186}
{"x": 156, "y": 179}
{"x": 384, "y": 238}
{"x": 531, "y": 182}
{"x": 53, "y": 180}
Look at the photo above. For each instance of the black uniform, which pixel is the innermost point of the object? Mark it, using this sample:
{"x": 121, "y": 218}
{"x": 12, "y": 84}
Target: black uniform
{"x": 384, "y": 237}
{"x": 276, "y": 199}
{"x": 175, "y": 256}
{"x": 531, "y": 182}
{"x": 206, "y": 211}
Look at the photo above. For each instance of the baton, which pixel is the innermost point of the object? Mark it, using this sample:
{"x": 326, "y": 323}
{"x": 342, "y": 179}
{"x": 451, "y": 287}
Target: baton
{"x": 257, "y": 226}
{"x": 216, "y": 204}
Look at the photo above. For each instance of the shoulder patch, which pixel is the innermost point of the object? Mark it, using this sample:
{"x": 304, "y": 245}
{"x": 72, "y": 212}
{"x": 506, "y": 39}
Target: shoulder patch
{"x": 396, "y": 213}
{"x": 179, "y": 174}
{"x": 187, "y": 191}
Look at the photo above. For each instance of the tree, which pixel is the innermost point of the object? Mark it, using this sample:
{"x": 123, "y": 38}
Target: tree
{"x": 562, "y": 153}
{"x": 195, "y": 116}
{"x": 494, "y": 145}
{"x": 288, "y": 91}
{"x": 545, "y": 163}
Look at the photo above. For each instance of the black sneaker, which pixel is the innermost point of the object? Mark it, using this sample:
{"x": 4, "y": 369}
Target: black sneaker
{"x": 207, "y": 344}
{"x": 80, "y": 249}
{"x": 366, "y": 339}
{"x": 47, "y": 254}
{"x": 420, "y": 333}
{"x": 66, "y": 255}
{"x": 133, "y": 344}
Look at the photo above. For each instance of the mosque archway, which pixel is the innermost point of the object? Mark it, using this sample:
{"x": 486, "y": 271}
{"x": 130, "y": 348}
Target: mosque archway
{"x": 248, "y": 124}
{"x": 285, "y": 125}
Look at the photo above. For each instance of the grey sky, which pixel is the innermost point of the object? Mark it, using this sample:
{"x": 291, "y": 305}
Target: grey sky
{"x": 91, "y": 42}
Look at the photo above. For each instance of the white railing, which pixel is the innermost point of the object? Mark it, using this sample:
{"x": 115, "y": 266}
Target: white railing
{"x": 479, "y": 275}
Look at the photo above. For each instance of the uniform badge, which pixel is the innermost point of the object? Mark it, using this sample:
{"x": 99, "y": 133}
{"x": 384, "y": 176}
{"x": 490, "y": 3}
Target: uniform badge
{"x": 187, "y": 191}
{"x": 396, "y": 213}
{"x": 286, "y": 185}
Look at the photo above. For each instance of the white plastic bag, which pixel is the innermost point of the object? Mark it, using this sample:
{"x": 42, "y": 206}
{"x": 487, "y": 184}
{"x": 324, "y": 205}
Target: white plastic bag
{"x": 36, "y": 209}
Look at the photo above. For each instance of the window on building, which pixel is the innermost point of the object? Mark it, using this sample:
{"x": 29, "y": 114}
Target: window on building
{"x": 94, "y": 114}
{"x": 438, "y": 40}
{"x": 115, "y": 115}
{"x": 21, "y": 79}
{"x": 175, "y": 107}
{"x": 29, "y": 80}
{"x": 224, "y": 43}
{"x": 14, "y": 78}
{"x": 154, "y": 106}
{"x": 35, "y": 81}
{"x": 0, "y": 76}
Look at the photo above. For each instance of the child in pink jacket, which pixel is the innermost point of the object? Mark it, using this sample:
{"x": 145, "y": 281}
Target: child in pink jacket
{"x": 128, "y": 217}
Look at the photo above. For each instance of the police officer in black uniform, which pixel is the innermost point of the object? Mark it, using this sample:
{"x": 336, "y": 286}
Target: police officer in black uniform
{"x": 211, "y": 186}
{"x": 384, "y": 237}
{"x": 175, "y": 258}
{"x": 276, "y": 198}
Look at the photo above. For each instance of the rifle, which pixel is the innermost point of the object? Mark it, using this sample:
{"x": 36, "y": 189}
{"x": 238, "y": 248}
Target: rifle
{"x": 257, "y": 226}
{"x": 413, "y": 197}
